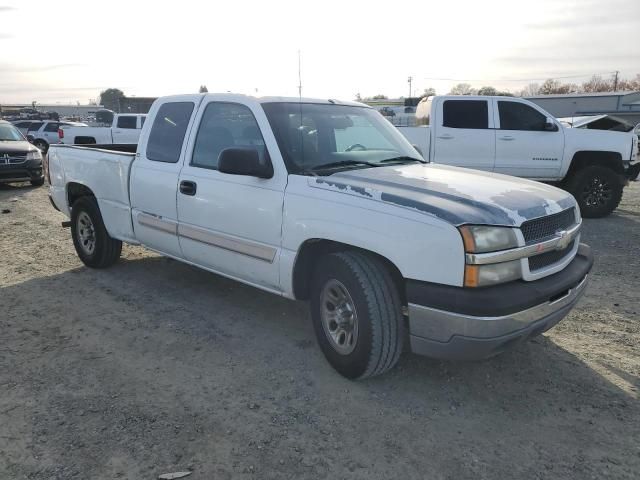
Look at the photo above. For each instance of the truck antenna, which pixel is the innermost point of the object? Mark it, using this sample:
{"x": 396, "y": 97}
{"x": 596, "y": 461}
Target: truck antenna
{"x": 299, "y": 76}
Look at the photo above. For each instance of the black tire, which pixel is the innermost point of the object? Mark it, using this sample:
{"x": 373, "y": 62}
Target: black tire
{"x": 38, "y": 183}
{"x": 106, "y": 250}
{"x": 380, "y": 324}
{"x": 42, "y": 146}
{"x": 598, "y": 190}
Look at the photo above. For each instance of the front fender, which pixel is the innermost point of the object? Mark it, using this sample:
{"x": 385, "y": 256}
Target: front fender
{"x": 421, "y": 247}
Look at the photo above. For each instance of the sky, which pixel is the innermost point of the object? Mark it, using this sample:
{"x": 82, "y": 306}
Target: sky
{"x": 68, "y": 51}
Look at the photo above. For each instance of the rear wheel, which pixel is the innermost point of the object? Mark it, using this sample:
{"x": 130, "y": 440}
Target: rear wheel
{"x": 41, "y": 145}
{"x": 597, "y": 189}
{"x": 93, "y": 244}
{"x": 357, "y": 314}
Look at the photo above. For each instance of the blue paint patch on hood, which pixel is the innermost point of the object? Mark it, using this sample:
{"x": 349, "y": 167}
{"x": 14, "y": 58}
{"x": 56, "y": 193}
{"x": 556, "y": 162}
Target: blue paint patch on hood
{"x": 456, "y": 195}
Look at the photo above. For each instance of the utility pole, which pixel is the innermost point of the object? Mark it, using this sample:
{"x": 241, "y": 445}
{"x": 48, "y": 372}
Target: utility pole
{"x": 410, "y": 79}
{"x": 615, "y": 82}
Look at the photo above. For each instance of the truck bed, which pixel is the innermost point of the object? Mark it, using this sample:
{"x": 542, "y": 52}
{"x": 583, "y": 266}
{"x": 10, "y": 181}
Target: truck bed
{"x": 105, "y": 170}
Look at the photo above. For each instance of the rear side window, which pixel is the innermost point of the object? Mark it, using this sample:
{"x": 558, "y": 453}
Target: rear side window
{"x": 52, "y": 127}
{"x": 167, "y": 131}
{"x": 126, "y": 122}
{"x": 35, "y": 126}
{"x": 518, "y": 116}
{"x": 465, "y": 114}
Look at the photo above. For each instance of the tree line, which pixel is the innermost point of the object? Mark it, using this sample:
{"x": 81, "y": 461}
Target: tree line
{"x": 550, "y": 86}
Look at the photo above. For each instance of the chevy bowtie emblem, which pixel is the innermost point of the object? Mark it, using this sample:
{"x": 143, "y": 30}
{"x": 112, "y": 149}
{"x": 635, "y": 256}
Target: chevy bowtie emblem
{"x": 563, "y": 239}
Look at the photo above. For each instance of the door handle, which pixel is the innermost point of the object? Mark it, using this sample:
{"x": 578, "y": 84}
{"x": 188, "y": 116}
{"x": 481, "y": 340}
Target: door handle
{"x": 507, "y": 138}
{"x": 446, "y": 136}
{"x": 188, "y": 188}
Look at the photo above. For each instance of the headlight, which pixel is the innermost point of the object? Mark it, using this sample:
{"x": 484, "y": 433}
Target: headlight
{"x": 491, "y": 274}
{"x": 34, "y": 155}
{"x": 483, "y": 239}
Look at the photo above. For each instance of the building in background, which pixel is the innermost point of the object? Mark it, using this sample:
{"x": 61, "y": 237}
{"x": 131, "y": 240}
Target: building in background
{"x": 399, "y": 111}
{"x": 136, "y": 104}
{"x": 622, "y": 106}
{"x": 25, "y": 110}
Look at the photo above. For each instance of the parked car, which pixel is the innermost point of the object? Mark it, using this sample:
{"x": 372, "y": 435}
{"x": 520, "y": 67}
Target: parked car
{"x": 23, "y": 125}
{"x": 326, "y": 201}
{"x": 19, "y": 160}
{"x": 517, "y": 137}
{"x": 44, "y": 132}
{"x": 125, "y": 129}
{"x": 387, "y": 112}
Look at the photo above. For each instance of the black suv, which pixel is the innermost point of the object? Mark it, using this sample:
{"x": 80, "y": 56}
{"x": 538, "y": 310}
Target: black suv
{"x": 19, "y": 160}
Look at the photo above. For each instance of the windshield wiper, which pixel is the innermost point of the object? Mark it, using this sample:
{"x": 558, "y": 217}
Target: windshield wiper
{"x": 343, "y": 163}
{"x": 403, "y": 159}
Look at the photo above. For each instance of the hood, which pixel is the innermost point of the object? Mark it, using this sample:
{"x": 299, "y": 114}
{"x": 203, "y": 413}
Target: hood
{"x": 456, "y": 195}
{"x": 16, "y": 147}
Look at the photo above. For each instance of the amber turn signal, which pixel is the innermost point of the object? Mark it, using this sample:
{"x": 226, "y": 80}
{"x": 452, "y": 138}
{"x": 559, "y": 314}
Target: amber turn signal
{"x": 468, "y": 240}
{"x": 471, "y": 275}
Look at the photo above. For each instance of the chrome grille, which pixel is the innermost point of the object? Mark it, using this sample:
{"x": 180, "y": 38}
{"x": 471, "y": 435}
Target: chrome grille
{"x": 546, "y": 227}
{"x": 12, "y": 158}
{"x": 546, "y": 259}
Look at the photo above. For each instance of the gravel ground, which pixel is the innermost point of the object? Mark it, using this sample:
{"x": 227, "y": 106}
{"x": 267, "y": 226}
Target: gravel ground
{"x": 153, "y": 366}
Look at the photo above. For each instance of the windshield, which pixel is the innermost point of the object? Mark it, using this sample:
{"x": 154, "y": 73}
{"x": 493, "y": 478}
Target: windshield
{"x": 9, "y": 133}
{"x": 316, "y": 137}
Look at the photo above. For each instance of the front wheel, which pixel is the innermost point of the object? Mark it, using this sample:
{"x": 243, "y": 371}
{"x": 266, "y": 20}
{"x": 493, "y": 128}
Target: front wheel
{"x": 37, "y": 183}
{"x": 93, "y": 244}
{"x": 598, "y": 190}
{"x": 357, "y": 314}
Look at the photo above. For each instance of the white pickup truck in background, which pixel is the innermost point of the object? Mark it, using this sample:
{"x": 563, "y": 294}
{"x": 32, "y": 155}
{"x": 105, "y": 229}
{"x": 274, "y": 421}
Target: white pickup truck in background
{"x": 125, "y": 129}
{"x": 326, "y": 201}
{"x": 516, "y": 137}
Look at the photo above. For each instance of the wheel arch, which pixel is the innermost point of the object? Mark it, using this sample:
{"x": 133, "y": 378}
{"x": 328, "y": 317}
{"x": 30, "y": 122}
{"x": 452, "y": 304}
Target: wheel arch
{"x": 313, "y": 249}
{"x": 588, "y": 158}
{"x": 76, "y": 190}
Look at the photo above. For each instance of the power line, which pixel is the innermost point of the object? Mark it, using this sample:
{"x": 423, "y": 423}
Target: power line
{"x": 515, "y": 79}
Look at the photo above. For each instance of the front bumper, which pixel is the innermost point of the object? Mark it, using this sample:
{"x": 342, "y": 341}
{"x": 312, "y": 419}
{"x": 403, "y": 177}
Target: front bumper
{"x": 20, "y": 172}
{"x": 467, "y": 324}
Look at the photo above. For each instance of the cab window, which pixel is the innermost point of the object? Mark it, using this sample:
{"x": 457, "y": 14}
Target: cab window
{"x": 225, "y": 125}
{"x": 472, "y": 114}
{"x": 168, "y": 130}
{"x": 518, "y": 116}
{"x": 128, "y": 122}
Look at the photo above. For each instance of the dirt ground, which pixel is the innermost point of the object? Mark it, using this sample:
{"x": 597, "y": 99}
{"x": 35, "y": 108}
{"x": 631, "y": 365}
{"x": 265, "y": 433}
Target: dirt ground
{"x": 153, "y": 366}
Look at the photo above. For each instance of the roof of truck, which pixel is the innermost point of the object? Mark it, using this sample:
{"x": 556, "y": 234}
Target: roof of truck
{"x": 237, "y": 96}
{"x": 328, "y": 101}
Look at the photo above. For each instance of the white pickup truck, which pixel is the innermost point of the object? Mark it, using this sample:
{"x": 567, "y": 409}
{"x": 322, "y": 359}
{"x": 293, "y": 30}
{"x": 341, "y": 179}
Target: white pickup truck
{"x": 125, "y": 129}
{"x": 514, "y": 136}
{"x": 326, "y": 201}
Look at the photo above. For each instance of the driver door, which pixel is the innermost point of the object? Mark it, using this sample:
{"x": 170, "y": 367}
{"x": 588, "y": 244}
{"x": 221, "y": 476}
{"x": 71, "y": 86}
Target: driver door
{"x": 524, "y": 147}
{"x": 231, "y": 224}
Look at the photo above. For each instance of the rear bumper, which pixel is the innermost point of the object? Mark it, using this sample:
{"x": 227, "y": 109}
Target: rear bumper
{"x": 468, "y": 324}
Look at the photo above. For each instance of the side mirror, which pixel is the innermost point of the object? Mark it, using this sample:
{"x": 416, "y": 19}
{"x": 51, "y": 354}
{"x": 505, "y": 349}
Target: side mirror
{"x": 550, "y": 125}
{"x": 30, "y": 138}
{"x": 244, "y": 161}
